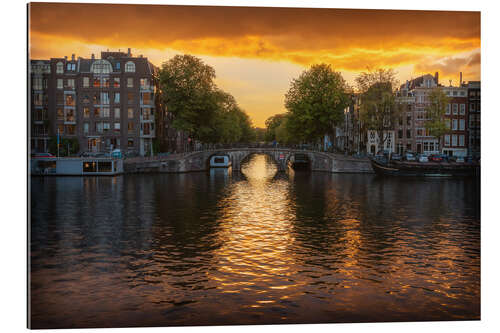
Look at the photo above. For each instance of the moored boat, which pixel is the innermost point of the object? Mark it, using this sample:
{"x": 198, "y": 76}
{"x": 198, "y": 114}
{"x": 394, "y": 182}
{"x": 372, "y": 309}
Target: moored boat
{"x": 424, "y": 169}
{"x": 220, "y": 161}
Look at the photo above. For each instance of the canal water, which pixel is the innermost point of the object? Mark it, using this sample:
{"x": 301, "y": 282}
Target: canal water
{"x": 255, "y": 247}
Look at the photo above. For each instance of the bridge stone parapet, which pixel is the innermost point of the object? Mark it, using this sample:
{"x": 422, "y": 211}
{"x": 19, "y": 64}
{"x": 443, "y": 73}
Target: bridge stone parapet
{"x": 199, "y": 161}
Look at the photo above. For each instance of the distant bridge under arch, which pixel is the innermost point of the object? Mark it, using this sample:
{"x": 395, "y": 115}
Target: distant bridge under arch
{"x": 199, "y": 161}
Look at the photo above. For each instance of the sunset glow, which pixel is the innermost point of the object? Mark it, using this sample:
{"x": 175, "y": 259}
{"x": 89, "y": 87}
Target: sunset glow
{"x": 256, "y": 52}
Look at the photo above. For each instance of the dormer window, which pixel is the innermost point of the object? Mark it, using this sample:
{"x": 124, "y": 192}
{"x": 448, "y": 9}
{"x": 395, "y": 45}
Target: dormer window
{"x": 101, "y": 66}
{"x": 118, "y": 66}
{"x": 59, "y": 68}
{"x": 130, "y": 67}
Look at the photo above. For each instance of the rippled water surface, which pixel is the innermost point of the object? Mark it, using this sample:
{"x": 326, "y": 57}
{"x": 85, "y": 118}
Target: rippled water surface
{"x": 252, "y": 248}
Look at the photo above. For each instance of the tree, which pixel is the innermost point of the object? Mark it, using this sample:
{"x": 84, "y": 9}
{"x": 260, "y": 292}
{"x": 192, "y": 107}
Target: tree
{"x": 64, "y": 143}
{"x": 189, "y": 93}
{"x": 316, "y": 102}
{"x": 436, "y": 124}
{"x": 379, "y": 110}
{"x": 272, "y": 123}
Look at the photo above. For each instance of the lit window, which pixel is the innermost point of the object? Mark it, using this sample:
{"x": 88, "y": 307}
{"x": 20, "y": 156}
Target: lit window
{"x": 116, "y": 82}
{"x": 86, "y": 112}
{"x": 130, "y": 143}
{"x": 101, "y": 66}
{"x": 129, "y": 67}
{"x": 130, "y": 126}
{"x": 130, "y": 113}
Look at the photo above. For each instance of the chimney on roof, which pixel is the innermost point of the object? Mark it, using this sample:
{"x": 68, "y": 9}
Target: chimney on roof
{"x": 436, "y": 78}
{"x": 93, "y": 56}
{"x": 65, "y": 57}
{"x": 450, "y": 82}
{"x": 73, "y": 57}
{"x": 129, "y": 53}
{"x": 460, "y": 83}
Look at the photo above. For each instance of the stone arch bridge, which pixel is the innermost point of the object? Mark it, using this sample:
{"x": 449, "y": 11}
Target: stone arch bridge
{"x": 199, "y": 161}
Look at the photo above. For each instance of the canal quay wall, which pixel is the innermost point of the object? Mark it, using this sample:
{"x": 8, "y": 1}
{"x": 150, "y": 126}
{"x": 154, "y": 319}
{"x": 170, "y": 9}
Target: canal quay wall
{"x": 199, "y": 161}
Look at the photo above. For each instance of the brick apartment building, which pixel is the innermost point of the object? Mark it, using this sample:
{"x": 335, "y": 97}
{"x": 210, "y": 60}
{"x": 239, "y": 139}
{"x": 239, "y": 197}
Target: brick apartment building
{"x": 474, "y": 123}
{"x": 411, "y": 134}
{"x": 104, "y": 103}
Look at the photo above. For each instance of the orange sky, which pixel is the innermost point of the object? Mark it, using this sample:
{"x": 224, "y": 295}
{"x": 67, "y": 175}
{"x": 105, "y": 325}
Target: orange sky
{"x": 257, "y": 51}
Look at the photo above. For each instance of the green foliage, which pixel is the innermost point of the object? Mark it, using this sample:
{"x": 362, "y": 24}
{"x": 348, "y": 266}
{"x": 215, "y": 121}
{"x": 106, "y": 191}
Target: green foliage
{"x": 379, "y": 110}
{"x": 436, "y": 124}
{"x": 64, "y": 143}
{"x": 198, "y": 106}
{"x": 272, "y": 123}
{"x": 316, "y": 103}
{"x": 260, "y": 134}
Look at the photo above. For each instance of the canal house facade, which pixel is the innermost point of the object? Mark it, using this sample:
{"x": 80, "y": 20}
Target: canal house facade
{"x": 105, "y": 103}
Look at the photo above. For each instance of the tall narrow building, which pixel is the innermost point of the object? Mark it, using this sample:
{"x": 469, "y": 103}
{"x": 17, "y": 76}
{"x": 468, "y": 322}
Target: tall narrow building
{"x": 103, "y": 104}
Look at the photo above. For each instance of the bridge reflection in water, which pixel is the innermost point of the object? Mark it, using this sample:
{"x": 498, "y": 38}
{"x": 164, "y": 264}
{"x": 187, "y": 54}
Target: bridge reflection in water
{"x": 254, "y": 247}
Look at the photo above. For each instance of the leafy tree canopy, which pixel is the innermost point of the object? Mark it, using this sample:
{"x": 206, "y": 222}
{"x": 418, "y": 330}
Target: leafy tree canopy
{"x": 316, "y": 102}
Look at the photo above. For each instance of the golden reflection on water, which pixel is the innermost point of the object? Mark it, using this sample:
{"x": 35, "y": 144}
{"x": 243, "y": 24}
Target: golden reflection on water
{"x": 256, "y": 233}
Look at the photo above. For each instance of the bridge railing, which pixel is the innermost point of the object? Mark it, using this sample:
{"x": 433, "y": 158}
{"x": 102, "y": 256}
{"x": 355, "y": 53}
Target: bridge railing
{"x": 216, "y": 147}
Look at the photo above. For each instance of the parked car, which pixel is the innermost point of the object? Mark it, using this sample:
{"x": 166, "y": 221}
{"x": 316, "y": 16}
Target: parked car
{"x": 116, "y": 153}
{"x": 396, "y": 157}
{"x": 435, "y": 158}
{"x": 423, "y": 158}
{"x": 410, "y": 157}
{"x": 40, "y": 155}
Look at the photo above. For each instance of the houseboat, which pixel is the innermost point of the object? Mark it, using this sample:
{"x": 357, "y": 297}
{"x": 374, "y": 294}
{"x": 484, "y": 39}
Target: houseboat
{"x": 220, "y": 161}
{"x": 385, "y": 167}
{"x": 77, "y": 166}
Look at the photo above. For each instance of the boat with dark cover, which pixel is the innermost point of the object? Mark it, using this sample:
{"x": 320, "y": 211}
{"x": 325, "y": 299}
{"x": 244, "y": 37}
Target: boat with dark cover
{"x": 386, "y": 167}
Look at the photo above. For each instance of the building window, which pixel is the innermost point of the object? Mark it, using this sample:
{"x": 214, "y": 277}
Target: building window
{"x": 462, "y": 109}
{"x": 37, "y": 83}
{"x": 130, "y": 113}
{"x": 146, "y": 129}
{"x": 461, "y": 140}
{"x": 59, "y": 68}
{"x": 71, "y": 83}
{"x": 117, "y": 113}
{"x": 129, "y": 67}
{"x": 419, "y": 132}
{"x": 455, "y": 109}
{"x": 97, "y": 112}
{"x": 116, "y": 82}
{"x": 408, "y": 134}
{"x": 447, "y": 140}
{"x": 86, "y": 112}
{"x": 117, "y": 66}
{"x": 86, "y": 81}
{"x": 117, "y": 98}
{"x": 70, "y": 129}
{"x": 448, "y": 123}
{"x": 472, "y": 107}
{"x": 455, "y": 124}
{"x": 146, "y": 98}
{"x": 130, "y": 126}
{"x": 98, "y": 127}
{"x": 130, "y": 143}
{"x": 130, "y": 98}
{"x": 462, "y": 125}
{"x": 59, "y": 83}
{"x": 97, "y": 82}
{"x": 408, "y": 120}
{"x": 105, "y": 127}
{"x": 105, "y": 98}
{"x": 105, "y": 112}
{"x": 101, "y": 66}
{"x": 454, "y": 140}
{"x": 105, "y": 82}
{"x": 130, "y": 82}
{"x": 60, "y": 114}
{"x": 144, "y": 84}
{"x": 117, "y": 128}
{"x": 69, "y": 115}
{"x": 86, "y": 99}
{"x": 85, "y": 128}
{"x": 147, "y": 114}
{"x": 70, "y": 100}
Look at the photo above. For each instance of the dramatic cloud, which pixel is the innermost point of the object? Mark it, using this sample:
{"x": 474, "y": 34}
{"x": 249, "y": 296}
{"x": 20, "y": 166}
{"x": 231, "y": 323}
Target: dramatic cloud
{"x": 256, "y": 52}
{"x": 349, "y": 39}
